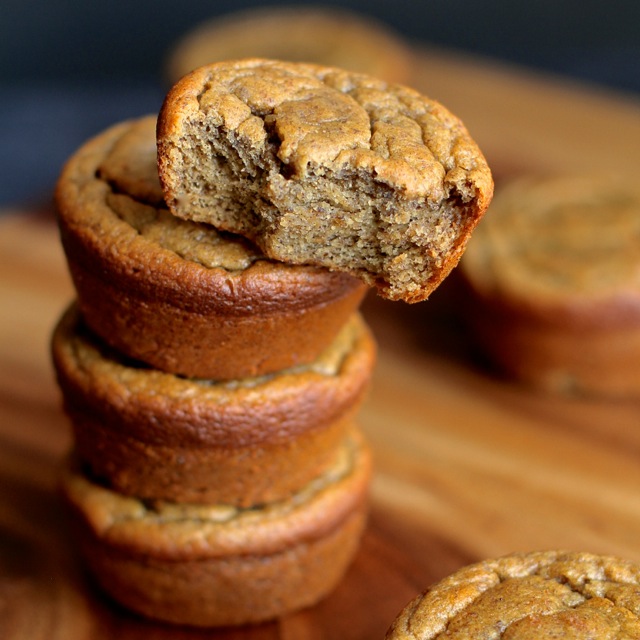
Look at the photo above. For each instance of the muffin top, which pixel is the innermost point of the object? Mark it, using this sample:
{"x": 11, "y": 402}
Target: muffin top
{"x": 322, "y": 166}
{"x": 329, "y": 119}
{"x": 563, "y": 247}
{"x": 534, "y": 596}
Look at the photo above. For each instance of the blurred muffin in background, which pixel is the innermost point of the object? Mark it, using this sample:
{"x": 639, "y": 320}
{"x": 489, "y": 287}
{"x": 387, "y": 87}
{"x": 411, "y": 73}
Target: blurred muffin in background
{"x": 554, "y": 279}
{"x": 323, "y": 35}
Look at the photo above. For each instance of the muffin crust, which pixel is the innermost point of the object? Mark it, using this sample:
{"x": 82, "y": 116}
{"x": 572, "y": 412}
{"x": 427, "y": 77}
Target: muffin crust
{"x": 563, "y": 249}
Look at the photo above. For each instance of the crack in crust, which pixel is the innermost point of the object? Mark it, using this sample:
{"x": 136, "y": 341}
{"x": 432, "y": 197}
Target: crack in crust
{"x": 321, "y": 166}
{"x": 539, "y": 595}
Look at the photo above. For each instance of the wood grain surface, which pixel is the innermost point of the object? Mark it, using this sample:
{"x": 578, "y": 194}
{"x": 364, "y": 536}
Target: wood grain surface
{"x": 467, "y": 465}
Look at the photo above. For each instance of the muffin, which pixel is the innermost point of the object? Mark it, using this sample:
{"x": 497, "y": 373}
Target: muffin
{"x": 219, "y": 565}
{"x": 180, "y": 296}
{"x": 532, "y": 596}
{"x": 330, "y": 36}
{"x": 554, "y": 291}
{"x": 321, "y": 166}
{"x": 158, "y": 436}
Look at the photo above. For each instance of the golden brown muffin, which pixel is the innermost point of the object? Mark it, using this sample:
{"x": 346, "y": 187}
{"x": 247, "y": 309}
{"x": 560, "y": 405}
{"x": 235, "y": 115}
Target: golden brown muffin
{"x": 532, "y": 596}
{"x": 321, "y": 166}
{"x": 156, "y": 435}
{"x": 219, "y": 565}
{"x": 179, "y": 295}
{"x": 330, "y": 36}
{"x": 553, "y": 271}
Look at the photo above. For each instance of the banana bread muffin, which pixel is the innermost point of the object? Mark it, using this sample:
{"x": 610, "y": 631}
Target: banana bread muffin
{"x": 156, "y": 435}
{"x": 534, "y": 596}
{"x": 177, "y": 295}
{"x": 553, "y": 275}
{"x": 219, "y": 565}
{"x": 326, "y": 167}
{"x": 330, "y": 36}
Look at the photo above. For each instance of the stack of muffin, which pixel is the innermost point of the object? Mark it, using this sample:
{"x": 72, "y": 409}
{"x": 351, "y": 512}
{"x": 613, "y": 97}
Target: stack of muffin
{"x": 218, "y": 476}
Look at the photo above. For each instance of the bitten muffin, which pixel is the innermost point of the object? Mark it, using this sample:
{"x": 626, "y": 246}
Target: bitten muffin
{"x": 534, "y": 596}
{"x": 218, "y": 565}
{"x": 181, "y": 296}
{"x": 156, "y": 435}
{"x": 327, "y": 167}
{"x": 330, "y": 36}
{"x": 553, "y": 275}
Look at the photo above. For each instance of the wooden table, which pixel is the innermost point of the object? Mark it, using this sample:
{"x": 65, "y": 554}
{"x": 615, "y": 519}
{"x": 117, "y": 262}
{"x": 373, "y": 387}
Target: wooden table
{"x": 467, "y": 465}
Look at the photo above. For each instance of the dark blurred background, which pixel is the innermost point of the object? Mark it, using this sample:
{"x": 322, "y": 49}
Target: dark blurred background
{"x": 69, "y": 68}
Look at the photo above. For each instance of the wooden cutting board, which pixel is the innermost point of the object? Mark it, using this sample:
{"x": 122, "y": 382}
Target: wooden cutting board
{"x": 467, "y": 466}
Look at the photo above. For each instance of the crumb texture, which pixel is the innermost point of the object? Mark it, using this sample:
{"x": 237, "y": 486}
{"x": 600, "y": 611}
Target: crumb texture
{"x": 325, "y": 167}
{"x": 541, "y": 596}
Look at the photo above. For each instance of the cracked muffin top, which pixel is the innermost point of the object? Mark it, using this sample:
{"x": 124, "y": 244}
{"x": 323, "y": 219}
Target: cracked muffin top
{"x": 321, "y": 166}
{"x": 534, "y": 596}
